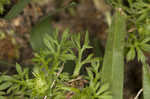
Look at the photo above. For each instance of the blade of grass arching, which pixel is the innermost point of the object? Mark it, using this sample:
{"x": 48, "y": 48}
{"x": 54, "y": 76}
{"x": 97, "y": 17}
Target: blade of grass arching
{"x": 146, "y": 81}
{"x": 113, "y": 65}
{"x": 16, "y": 9}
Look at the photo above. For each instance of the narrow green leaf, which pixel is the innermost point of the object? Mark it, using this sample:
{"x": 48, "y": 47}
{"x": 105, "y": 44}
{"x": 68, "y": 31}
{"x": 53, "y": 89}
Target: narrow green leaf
{"x": 2, "y": 93}
{"x": 97, "y": 86}
{"x": 131, "y": 54}
{"x": 49, "y": 44}
{"x": 140, "y": 54}
{"x": 18, "y": 68}
{"x": 90, "y": 74}
{"x": 65, "y": 36}
{"x": 4, "y": 86}
{"x": 145, "y": 47}
{"x": 145, "y": 40}
{"x": 142, "y": 17}
{"x": 16, "y": 9}
{"x": 146, "y": 81}
{"x": 88, "y": 59}
{"x": 5, "y": 78}
{"x": 68, "y": 57}
{"x": 12, "y": 88}
{"x": 75, "y": 90}
{"x": 76, "y": 41}
{"x": 86, "y": 41}
{"x": 105, "y": 97}
{"x": 103, "y": 88}
{"x": 113, "y": 65}
{"x": 2, "y": 97}
{"x": 39, "y": 31}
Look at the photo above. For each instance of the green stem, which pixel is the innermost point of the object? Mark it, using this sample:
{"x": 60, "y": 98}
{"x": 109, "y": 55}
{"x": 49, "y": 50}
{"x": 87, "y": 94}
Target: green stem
{"x": 78, "y": 65}
{"x": 56, "y": 61}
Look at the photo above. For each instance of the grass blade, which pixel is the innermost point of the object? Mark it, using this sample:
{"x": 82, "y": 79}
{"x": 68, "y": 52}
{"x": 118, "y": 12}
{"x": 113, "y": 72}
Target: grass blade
{"x": 146, "y": 81}
{"x": 113, "y": 65}
{"x": 16, "y": 9}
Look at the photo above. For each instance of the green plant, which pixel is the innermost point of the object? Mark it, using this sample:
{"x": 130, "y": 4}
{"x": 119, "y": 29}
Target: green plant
{"x": 95, "y": 89}
{"x": 48, "y": 79}
{"x": 2, "y": 3}
{"x": 138, "y": 37}
{"x": 81, "y": 48}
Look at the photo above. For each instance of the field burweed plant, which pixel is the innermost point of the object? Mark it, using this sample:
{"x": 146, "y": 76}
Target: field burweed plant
{"x": 47, "y": 78}
{"x": 96, "y": 89}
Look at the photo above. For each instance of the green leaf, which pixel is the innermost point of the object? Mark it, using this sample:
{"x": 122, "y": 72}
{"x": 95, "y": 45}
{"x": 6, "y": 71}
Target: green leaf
{"x": 142, "y": 17}
{"x": 103, "y": 88}
{"x": 76, "y": 41}
{"x": 88, "y": 59}
{"x": 2, "y": 93}
{"x": 17, "y": 9}
{"x": 113, "y": 64}
{"x": 65, "y": 36}
{"x": 97, "y": 86}
{"x": 90, "y": 74}
{"x": 86, "y": 41}
{"x": 18, "y": 68}
{"x": 145, "y": 40}
{"x": 49, "y": 44}
{"x": 75, "y": 90}
{"x": 39, "y": 31}
{"x": 12, "y": 88}
{"x": 5, "y": 85}
{"x": 6, "y": 78}
{"x": 66, "y": 57}
{"x": 131, "y": 54}
{"x": 146, "y": 81}
{"x": 140, "y": 54}
{"x": 145, "y": 47}
{"x": 105, "y": 97}
{"x": 2, "y": 97}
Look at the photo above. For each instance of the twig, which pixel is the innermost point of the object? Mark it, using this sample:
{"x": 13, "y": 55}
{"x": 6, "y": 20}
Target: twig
{"x": 78, "y": 78}
{"x": 138, "y": 94}
{"x": 60, "y": 70}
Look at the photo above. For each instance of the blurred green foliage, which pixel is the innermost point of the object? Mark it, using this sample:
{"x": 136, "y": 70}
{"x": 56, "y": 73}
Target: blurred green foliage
{"x": 2, "y": 3}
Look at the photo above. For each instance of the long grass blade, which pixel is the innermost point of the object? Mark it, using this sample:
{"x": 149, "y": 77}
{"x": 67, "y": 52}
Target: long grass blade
{"x": 146, "y": 81}
{"x": 113, "y": 65}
